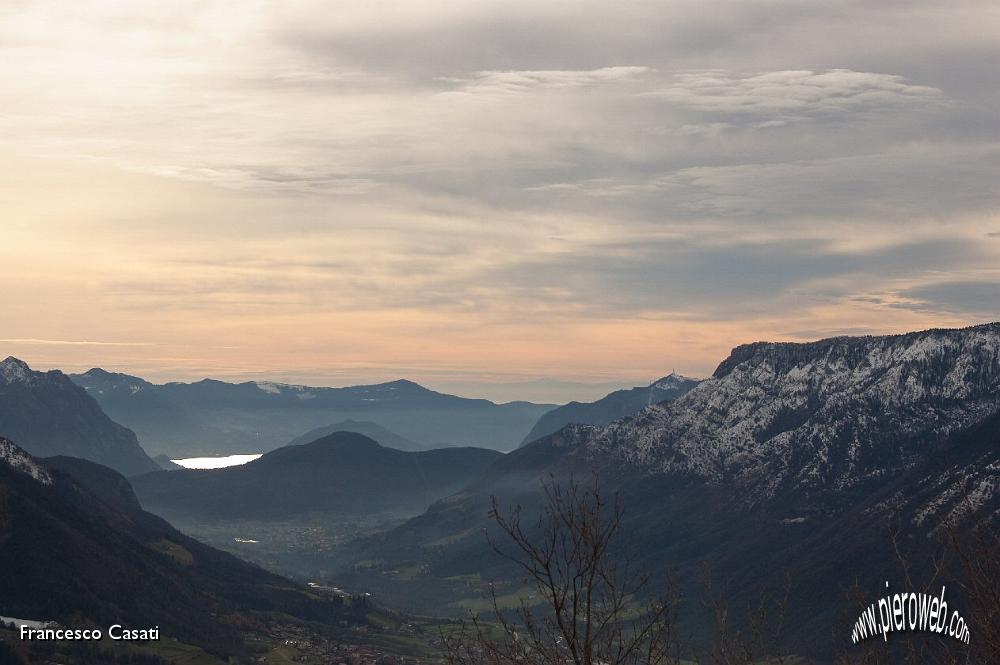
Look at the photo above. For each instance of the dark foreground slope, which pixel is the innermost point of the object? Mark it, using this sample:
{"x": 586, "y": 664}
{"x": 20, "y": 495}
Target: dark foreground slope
{"x": 614, "y": 406}
{"x": 47, "y": 414}
{"x": 76, "y": 548}
{"x": 344, "y": 473}
{"x": 813, "y": 461}
{"x": 216, "y": 417}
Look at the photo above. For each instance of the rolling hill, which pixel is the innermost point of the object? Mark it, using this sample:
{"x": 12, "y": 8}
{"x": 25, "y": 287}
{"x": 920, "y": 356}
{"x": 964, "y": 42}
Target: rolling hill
{"x": 372, "y": 430}
{"x": 342, "y": 473}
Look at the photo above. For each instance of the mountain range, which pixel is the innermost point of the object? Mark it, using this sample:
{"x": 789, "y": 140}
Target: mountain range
{"x": 823, "y": 463}
{"x": 792, "y": 459}
{"x": 48, "y": 415}
{"x": 343, "y": 473}
{"x": 77, "y": 549}
{"x": 215, "y": 417}
{"x": 614, "y": 406}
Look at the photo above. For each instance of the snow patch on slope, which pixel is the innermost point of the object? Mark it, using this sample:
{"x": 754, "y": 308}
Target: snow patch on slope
{"x": 825, "y": 416}
{"x": 272, "y": 388}
{"x": 21, "y": 461}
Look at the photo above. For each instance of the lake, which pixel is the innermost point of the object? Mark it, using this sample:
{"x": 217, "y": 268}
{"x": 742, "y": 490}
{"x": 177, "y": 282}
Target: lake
{"x": 215, "y": 462}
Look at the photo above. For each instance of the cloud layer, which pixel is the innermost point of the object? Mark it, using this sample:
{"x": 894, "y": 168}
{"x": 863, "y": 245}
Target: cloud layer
{"x": 578, "y": 190}
{"x": 773, "y": 99}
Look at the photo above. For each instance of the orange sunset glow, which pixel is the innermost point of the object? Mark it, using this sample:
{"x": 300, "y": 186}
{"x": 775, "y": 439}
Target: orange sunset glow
{"x": 329, "y": 196}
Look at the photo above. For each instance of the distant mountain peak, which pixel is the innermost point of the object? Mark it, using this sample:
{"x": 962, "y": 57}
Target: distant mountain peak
{"x": 402, "y": 384}
{"x": 99, "y": 379}
{"x": 13, "y": 370}
{"x": 611, "y": 407}
{"x": 18, "y": 460}
{"x": 673, "y": 380}
{"x": 346, "y": 440}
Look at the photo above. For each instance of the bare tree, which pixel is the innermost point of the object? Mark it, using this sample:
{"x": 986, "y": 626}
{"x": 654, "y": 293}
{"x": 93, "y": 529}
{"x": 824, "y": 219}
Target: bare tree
{"x": 591, "y": 612}
{"x": 754, "y": 639}
{"x": 978, "y": 554}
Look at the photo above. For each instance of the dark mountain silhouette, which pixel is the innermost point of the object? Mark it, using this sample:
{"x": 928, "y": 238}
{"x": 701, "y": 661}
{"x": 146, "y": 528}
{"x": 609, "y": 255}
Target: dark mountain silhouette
{"x": 214, "y": 417}
{"x": 48, "y": 415}
{"x": 611, "y": 407}
{"x": 372, "y": 430}
{"x": 811, "y": 460}
{"x": 344, "y": 472}
{"x": 76, "y": 548}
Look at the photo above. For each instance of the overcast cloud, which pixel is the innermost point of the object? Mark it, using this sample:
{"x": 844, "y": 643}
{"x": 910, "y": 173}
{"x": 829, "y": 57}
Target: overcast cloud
{"x": 578, "y": 190}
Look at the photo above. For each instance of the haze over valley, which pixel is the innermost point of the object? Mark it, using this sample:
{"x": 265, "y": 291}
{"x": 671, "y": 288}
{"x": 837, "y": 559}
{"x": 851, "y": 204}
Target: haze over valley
{"x": 214, "y": 417}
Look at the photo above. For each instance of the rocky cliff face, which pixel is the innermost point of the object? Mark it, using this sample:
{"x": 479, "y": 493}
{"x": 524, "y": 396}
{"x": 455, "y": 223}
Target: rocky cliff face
{"x": 50, "y": 415}
{"x": 828, "y": 416}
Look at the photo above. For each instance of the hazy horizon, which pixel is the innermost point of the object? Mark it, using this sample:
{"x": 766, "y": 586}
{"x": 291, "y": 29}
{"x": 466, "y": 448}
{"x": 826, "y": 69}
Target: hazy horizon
{"x": 539, "y": 390}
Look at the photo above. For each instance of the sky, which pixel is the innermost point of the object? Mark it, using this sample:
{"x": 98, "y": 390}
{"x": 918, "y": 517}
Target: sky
{"x": 491, "y": 198}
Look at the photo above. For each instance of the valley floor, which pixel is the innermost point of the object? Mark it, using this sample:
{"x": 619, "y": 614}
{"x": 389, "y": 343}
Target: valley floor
{"x": 299, "y": 548}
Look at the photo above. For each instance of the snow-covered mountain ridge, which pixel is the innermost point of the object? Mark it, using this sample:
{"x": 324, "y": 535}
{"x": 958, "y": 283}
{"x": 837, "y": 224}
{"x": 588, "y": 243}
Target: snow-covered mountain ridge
{"x": 826, "y": 415}
{"x": 13, "y": 370}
